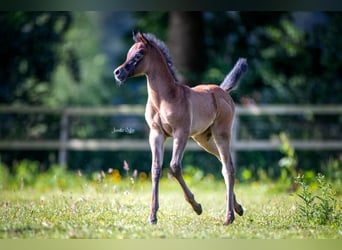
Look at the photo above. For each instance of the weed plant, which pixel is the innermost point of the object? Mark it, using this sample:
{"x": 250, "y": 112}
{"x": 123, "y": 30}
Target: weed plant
{"x": 319, "y": 207}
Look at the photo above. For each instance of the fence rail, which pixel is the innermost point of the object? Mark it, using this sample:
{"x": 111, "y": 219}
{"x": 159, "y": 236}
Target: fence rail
{"x": 65, "y": 143}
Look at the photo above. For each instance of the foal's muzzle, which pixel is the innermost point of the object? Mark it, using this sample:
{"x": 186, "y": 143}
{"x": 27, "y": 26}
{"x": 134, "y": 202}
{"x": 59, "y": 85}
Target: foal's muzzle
{"x": 120, "y": 75}
{"x": 124, "y": 71}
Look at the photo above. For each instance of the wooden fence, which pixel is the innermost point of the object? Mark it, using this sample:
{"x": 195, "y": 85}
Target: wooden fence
{"x": 65, "y": 143}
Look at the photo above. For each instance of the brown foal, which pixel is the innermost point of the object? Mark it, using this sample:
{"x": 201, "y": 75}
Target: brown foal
{"x": 204, "y": 113}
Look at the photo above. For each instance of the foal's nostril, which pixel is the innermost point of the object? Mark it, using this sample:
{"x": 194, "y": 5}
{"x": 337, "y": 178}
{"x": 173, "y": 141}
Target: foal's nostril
{"x": 117, "y": 72}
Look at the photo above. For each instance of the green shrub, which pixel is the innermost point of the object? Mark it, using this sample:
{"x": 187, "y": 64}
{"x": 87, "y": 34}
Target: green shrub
{"x": 321, "y": 207}
{"x": 288, "y": 162}
{"x": 4, "y": 176}
{"x": 192, "y": 173}
{"x": 333, "y": 172}
{"x": 25, "y": 173}
{"x": 58, "y": 177}
{"x": 246, "y": 175}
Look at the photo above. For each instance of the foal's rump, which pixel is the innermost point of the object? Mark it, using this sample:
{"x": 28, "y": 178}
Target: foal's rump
{"x": 212, "y": 113}
{"x": 209, "y": 101}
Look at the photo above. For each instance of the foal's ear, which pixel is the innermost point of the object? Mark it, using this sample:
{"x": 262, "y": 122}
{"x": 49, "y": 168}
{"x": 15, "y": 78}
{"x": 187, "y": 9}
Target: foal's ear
{"x": 135, "y": 36}
{"x": 139, "y": 37}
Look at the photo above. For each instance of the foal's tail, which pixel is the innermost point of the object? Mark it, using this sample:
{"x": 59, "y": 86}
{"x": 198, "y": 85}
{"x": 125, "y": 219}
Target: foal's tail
{"x": 234, "y": 75}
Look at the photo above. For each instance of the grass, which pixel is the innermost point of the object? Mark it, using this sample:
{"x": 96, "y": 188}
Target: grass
{"x": 121, "y": 211}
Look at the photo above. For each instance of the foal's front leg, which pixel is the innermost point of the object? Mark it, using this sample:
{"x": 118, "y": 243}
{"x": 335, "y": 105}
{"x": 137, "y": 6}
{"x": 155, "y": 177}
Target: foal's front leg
{"x": 156, "y": 140}
{"x": 179, "y": 143}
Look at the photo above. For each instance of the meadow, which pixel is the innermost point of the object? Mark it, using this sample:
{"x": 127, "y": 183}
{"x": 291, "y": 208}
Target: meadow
{"x": 116, "y": 207}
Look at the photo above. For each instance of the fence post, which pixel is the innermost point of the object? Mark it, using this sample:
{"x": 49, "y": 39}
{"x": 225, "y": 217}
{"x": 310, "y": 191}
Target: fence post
{"x": 63, "y": 139}
{"x": 234, "y": 138}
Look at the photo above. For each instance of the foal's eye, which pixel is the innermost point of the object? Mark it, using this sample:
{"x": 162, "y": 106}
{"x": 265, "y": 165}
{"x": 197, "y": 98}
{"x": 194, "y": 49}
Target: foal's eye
{"x": 138, "y": 56}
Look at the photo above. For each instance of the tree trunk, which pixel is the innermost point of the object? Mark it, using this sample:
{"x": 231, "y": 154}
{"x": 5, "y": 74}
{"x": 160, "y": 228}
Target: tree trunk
{"x": 186, "y": 43}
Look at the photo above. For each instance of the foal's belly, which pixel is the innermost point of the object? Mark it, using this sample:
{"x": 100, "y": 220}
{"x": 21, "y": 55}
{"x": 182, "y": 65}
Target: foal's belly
{"x": 195, "y": 122}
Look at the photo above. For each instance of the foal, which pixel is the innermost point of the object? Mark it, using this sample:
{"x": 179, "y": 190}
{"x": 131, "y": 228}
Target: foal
{"x": 204, "y": 113}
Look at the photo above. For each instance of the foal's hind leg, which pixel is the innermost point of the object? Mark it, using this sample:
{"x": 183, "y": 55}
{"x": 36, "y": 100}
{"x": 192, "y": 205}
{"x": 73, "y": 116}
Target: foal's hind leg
{"x": 206, "y": 141}
{"x": 222, "y": 140}
{"x": 237, "y": 207}
{"x": 179, "y": 143}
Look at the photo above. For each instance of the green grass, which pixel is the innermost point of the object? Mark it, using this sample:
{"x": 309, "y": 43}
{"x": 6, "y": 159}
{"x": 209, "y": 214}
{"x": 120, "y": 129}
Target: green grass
{"x": 121, "y": 211}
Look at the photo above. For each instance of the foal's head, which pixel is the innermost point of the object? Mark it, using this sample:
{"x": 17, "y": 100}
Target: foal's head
{"x": 134, "y": 64}
{"x": 140, "y": 57}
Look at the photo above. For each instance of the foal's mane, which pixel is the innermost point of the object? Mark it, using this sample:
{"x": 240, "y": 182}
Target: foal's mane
{"x": 165, "y": 51}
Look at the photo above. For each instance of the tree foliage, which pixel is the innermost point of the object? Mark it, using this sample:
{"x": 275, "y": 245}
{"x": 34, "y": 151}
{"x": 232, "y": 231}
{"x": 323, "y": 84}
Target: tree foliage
{"x": 29, "y": 41}
{"x": 54, "y": 57}
{"x": 51, "y": 58}
{"x": 289, "y": 61}
{"x": 82, "y": 52}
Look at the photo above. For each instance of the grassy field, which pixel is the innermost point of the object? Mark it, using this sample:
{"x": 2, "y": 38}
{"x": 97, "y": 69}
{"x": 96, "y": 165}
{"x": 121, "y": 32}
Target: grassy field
{"x": 116, "y": 212}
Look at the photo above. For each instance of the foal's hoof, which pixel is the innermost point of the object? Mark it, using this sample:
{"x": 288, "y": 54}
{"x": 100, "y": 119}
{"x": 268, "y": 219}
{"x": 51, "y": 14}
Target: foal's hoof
{"x": 152, "y": 221}
{"x": 228, "y": 221}
{"x": 198, "y": 209}
{"x": 239, "y": 210}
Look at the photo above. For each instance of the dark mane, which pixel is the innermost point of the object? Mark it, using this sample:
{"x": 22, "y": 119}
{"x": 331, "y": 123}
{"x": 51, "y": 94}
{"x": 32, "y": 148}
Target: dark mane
{"x": 165, "y": 51}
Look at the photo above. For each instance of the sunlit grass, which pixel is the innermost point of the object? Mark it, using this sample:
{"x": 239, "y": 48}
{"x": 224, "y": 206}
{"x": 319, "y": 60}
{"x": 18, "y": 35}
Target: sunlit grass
{"x": 108, "y": 210}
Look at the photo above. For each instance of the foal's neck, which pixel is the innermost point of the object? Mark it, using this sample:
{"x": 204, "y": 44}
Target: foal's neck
{"x": 161, "y": 84}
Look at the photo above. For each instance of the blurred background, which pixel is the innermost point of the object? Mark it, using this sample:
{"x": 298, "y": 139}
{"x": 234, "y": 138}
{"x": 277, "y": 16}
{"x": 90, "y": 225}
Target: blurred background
{"x": 53, "y": 62}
